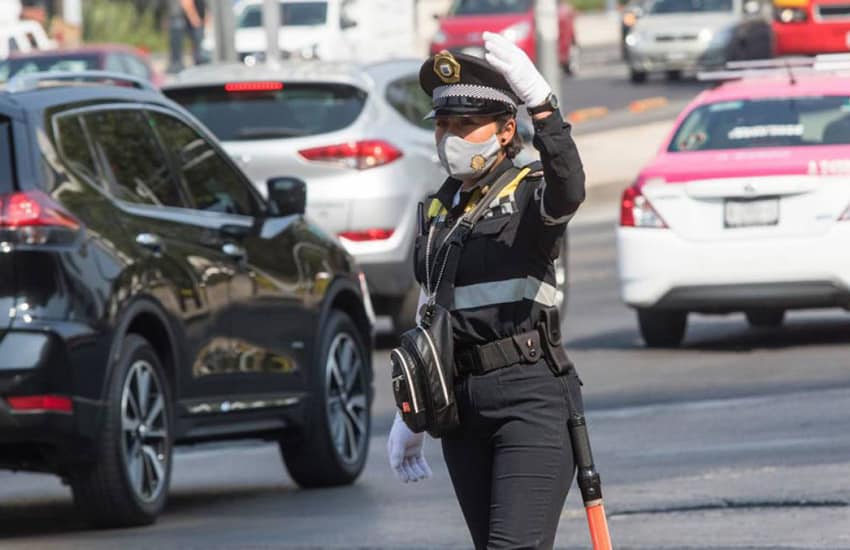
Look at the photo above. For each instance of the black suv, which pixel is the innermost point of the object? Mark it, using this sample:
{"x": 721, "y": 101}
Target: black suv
{"x": 155, "y": 299}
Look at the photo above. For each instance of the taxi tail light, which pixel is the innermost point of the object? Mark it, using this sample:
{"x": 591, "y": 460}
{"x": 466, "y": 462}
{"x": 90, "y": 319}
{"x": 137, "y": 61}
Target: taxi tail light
{"x": 636, "y": 210}
{"x": 367, "y": 235}
{"x": 41, "y": 403}
{"x": 356, "y": 154}
{"x": 33, "y": 218}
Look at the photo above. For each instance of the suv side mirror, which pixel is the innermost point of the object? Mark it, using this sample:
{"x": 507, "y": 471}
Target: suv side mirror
{"x": 287, "y": 196}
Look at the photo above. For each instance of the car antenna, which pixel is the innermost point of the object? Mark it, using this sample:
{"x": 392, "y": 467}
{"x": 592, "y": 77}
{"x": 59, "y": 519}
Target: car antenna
{"x": 791, "y": 78}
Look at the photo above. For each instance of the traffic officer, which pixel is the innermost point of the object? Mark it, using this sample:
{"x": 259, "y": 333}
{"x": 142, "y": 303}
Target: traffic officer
{"x": 510, "y": 461}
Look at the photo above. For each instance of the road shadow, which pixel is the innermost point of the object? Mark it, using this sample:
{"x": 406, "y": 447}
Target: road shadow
{"x": 731, "y": 335}
{"x": 37, "y": 518}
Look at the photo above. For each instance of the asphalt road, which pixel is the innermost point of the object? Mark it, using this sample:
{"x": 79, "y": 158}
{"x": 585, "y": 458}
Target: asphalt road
{"x": 740, "y": 439}
{"x": 603, "y": 81}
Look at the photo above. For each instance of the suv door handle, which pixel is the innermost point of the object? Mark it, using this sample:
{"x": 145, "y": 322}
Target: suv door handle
{"x": 150, "y": 241}
{"x": 233, "y": 250}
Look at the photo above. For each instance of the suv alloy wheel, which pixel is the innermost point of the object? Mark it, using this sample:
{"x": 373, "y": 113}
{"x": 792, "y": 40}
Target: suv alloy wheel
{"x": 332, "y": 449}
{"x": 128, "y": 482}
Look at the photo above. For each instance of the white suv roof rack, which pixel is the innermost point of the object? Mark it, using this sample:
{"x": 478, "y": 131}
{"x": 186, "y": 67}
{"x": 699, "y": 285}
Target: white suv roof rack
{"x": 783, "y": 66}
{"x": 32, "y": 81}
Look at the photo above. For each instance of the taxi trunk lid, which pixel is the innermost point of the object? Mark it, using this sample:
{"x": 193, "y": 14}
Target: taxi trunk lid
{"x": 767, "y": 193}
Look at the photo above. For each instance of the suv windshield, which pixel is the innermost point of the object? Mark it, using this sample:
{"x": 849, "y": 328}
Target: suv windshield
{"x": 689, "y": 6}
{"x": 292, "y": 14}
{"x": 789, "y": 122}
{"x": 25, "y": 65}
{"x": 295, "y": 110}
{"x": 488, "y": 7}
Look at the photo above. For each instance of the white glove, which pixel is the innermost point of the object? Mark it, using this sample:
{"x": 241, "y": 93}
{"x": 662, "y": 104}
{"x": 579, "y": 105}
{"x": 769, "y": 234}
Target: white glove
{"x": 405, "y": 452}
{"x": 524, "y": 78}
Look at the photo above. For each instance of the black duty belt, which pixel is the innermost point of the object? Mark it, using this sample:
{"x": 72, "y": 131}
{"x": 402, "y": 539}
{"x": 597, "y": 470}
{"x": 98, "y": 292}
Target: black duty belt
{"x": 520, "y": 348}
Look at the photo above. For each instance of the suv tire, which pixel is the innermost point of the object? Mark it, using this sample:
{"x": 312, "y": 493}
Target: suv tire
{"x": 128, "y": 482}
{"x": 637, "y": 77}
{"x": 662, "y": 329}
{"x": 331, "y": 450}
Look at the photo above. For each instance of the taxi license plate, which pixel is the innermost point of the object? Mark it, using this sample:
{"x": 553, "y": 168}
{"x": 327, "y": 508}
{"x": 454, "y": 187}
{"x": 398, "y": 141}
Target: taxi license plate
{"x": 750, "y": 212}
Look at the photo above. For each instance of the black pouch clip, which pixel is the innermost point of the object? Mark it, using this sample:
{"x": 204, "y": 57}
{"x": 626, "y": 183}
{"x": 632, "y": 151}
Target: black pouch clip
{"x": 550, "y": 338}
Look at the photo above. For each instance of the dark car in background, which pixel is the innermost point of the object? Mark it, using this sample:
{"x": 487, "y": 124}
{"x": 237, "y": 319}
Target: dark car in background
{"x": 155, "y": 299}
{"x": 116, "y": 58}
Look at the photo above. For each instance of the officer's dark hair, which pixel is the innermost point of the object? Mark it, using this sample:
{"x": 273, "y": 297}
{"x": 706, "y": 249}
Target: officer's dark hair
{"x": 514, "y": 146}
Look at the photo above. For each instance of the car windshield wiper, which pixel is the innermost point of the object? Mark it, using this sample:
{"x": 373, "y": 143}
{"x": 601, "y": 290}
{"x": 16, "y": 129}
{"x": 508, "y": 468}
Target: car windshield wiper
{"x": 270, "y": 132}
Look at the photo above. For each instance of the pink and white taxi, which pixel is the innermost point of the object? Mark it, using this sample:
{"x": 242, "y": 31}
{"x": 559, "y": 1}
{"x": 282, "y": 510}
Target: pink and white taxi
{"x": 744, "y": 209}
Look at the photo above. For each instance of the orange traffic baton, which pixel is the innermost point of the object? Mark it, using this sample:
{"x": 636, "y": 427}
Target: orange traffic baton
{"x": 589, "y": 483}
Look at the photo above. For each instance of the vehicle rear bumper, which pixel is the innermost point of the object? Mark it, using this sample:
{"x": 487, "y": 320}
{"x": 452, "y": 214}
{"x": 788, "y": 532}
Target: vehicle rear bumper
{"x": 661, "y": 270}
{"x": 811, "y": 38}
{"x": 649, "y": 60}
{"x": 37, "y": 363}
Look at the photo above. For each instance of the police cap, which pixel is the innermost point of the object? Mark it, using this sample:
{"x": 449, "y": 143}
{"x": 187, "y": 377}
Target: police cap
{"x": 461, "y": 84}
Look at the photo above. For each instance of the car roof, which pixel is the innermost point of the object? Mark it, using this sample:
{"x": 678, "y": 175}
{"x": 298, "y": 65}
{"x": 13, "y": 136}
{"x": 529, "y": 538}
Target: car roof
{"x": 67, "y": 93}
{"x": 87, "y": 49}
{"x": 777, "y": 86}
{"x": 292, "y": 71}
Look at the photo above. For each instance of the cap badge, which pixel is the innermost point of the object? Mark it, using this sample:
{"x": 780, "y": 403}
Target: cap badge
{"x": 447, "y": 68}
{"x": 477, "y": 163}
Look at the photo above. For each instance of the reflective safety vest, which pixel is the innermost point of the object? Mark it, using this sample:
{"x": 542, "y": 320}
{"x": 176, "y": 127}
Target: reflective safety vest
{"x": 505, "y": 272}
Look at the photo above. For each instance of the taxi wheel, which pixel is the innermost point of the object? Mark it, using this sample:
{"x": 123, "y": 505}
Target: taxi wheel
{"x": 766, "y": 318}
{"x": 331, "y": 448}
{"x": 127, "y": 485}
{"x": 662, "y": 329}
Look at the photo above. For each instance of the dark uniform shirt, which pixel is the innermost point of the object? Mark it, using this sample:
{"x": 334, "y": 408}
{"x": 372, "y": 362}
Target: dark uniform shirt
{"x": 506, "y": 273}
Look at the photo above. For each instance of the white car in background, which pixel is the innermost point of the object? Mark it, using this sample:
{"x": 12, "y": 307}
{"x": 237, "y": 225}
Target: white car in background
{"x": 746, "y": 208}
{"x": 23, "y": 36}
{"x": 330, "y": 30}
{"x": 355, "y": 135}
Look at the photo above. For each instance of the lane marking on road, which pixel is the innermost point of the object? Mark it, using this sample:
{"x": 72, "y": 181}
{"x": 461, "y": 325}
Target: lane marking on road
{"x": 588, "y": 113}
{"x": 648, "y": 104}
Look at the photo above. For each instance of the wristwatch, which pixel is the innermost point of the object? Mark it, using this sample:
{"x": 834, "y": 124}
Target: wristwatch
{"x": 551, "y": 104}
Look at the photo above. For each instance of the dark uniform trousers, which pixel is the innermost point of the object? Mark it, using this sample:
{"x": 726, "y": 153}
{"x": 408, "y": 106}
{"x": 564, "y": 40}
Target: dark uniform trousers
{"x": 511, "y": 461}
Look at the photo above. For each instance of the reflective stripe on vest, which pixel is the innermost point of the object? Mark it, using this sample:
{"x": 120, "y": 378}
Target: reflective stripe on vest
{"x": 505, "y": 292}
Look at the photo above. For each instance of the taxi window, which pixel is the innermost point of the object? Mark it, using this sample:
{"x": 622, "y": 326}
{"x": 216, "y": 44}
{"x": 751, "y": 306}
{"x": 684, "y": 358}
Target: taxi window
{"x": 786, "y": 122}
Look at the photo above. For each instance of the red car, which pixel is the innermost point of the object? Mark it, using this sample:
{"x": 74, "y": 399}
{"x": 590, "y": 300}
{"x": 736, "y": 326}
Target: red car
{"x": 117, "y": 58}
{"x": 461, "y": 29}
{"x": 810, "y": 27}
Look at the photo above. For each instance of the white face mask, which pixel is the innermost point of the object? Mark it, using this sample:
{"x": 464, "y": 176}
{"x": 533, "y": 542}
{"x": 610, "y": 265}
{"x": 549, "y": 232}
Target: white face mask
{"x": 464, "y": 159}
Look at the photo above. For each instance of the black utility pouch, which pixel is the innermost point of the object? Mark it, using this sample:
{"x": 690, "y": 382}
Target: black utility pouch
{"x": 429, "y": 349}
{"x": 407, "y": 391}
{"x": 550, "y": 338}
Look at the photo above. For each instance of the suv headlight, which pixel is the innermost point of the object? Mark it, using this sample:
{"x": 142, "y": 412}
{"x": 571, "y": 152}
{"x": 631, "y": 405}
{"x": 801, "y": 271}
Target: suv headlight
{"x": 518, "y": 32}
{"x": 790, "y": 15}
{"x": 716, "y": 39}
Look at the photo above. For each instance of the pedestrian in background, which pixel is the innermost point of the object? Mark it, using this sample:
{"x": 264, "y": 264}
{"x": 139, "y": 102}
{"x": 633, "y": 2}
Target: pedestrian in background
{"x": 510, "y": 460}
{"x": 186, "y": 18}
